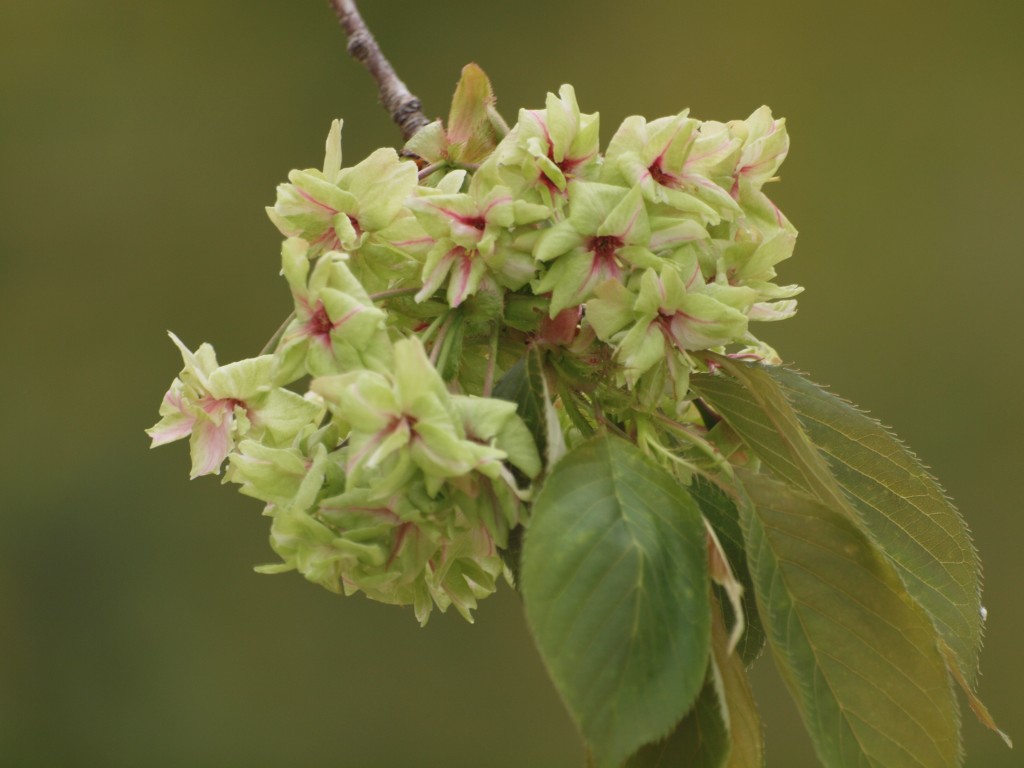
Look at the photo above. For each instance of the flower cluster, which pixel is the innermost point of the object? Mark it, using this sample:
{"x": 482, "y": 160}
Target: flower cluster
{"x": 421, "y": 280}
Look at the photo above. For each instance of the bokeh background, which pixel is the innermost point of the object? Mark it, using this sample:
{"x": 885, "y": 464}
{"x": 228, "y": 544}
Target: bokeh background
{"x": 139, "y": 142}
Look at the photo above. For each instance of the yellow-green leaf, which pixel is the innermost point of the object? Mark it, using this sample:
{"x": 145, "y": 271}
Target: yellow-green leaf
{"x": 819, "y": 443}
{"x": 858, "y": 654}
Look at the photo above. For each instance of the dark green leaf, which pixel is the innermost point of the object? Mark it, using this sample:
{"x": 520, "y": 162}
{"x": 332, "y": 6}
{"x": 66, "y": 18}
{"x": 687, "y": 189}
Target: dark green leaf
{"x": 701, "y": 740}
{"x": 858, "y": 654}
{"x": 616, "y": 591}
{"x": 524, "y": 385}
{"x": 720, "y": 511}
{"x": 707, "y": 738}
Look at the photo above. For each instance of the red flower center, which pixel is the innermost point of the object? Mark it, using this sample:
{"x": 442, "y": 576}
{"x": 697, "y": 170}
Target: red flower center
{"x": 319, "y": 323}
{"x": 660, "y": 175}
{"x": 605, "y": 246}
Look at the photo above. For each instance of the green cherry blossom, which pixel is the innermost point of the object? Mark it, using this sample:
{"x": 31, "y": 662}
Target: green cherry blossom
{"x": 407, "y": 549}
{"x": 675, "y": 164}
{"x": 765, "y": 146}
{"x": 337, "y": 327}
{"x": 550, "y": 147}
{"x": 216, "y": 405}
{"x": 484, "y": 259}
{"x": 667, "y": 315}
{"x": 472, "y": 234}
{"x": 289, "y": 474}
{"x": 752, "y": 265}
{"x": 403, "y": 422}
{"x": 352, "y": 209}
{"x": 606, "y": 234}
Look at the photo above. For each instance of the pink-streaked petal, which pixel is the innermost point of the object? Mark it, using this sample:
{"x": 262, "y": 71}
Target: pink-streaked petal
{"x": 625, "y": 233}
{"x": 309, "y": 198}
{"x": 176, "y": 422}
{"x": 685, "y": 332}
{"x": 211, "y": 444}
{"x": 437, "y": 275}
{"x": 504, "y": 200}
{"x": 413, "y": 242}
{"x": 694, "y": 277}
{"x": 601, "y": 269}
{"x": 714, "y": 154}
{"x": 172, "y": 428}
{"x": 768, "y": 311}
{"x": 218, "y": 408}
{"x": 460, "y": 279}
{"x": 451, "y": 213}
{"x": 541, "y": 122}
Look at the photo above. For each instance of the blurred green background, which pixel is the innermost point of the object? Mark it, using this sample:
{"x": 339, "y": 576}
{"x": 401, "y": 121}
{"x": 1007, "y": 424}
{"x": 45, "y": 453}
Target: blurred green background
{"x": 139, "y": 142}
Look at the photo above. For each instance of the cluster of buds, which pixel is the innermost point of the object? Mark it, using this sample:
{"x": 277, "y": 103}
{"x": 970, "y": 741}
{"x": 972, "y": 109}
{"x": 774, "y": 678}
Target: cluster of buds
{"x": 419, "y": 280}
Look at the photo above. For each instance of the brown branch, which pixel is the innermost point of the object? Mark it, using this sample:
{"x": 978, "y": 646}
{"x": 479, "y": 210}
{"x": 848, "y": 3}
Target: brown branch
{"x": 405, "y": 109}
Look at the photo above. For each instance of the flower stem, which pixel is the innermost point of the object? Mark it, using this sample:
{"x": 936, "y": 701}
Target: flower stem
{"x": 492, "y": 360}
{"x": 431, "y": 169}
{"x": 435, "y": 350}
{"x": 427, "y": 170}
{"x": 277, "y": 334}
{"x": 705, "y": 447}
{"x": 392, "y": 293}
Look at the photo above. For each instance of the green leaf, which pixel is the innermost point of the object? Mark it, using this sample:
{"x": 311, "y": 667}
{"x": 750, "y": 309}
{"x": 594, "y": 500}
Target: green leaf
{"x": 904, "y": 509}
{"x": 471, "y": 134}
{"x": 616, "y": 591}
{"x": 855, "y": 464}
{"x": 723, "y": 730}
{"x": 719, "y": 510}
{"x": 525, "y": 385}
{"x": 858, "y": 654}
{"x": 756, "y": 409}
{"x": 701, "y": 740}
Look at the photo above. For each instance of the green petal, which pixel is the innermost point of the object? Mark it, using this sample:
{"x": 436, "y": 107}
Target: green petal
{"x": 471, "y": 134}
{"x": 559, "y": 239}
{"x": 332, "y": 154}
{"x": 284, "y": 413}
{"x": 640, "y": 349}
{"x": 429, "y": 142}
{"x": 612, "y": 310}
{"x": 326, "y": 196}
{"x": 591, "y": 203}
{"x": 415, "y": 376}
{"x": 628, "y": 219}
{"x": 266, "y": 473}
{"x": 362, "y": 398}
{"x": 295, "y": 264}
{"x": 243, "y": 379}
{"x": 381, "y": 183}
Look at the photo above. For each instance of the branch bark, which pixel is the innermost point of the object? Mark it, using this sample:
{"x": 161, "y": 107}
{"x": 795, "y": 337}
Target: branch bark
{"x": 405, "y": 109}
